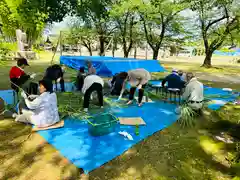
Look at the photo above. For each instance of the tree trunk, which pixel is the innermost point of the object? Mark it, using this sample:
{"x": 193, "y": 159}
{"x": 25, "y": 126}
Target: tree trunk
{"x": 207, "y": 61}
{"x": 102, "y": 43}
{"x": 155, "y": 53}
{"x": 135, "y": 52}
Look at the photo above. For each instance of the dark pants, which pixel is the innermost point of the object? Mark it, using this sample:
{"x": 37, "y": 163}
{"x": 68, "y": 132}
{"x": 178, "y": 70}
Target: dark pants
{"x": 140, "y": 93}
{"x": 94, "y": 87}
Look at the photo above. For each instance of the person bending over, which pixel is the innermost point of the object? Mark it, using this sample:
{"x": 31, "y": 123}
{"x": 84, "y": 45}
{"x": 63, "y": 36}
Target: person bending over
{"x": 137, "y": 78}
{"x": 19, "y": 78}
{"x": 174, "y": 81}
{"x": 91, "y": 69}
{"x": 80, "y": 79}
{"x": 55, "y": 73}
{"x": 193, "y": 94}
{"x": 117, "y": 83}
{"x": 92, "y": 83}
{"x": 40, "y": 110}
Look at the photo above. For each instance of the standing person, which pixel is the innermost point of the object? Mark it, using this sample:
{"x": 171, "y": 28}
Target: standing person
{"x": 55, "y": 73}
{"x": 92, "y": 83}
{"x": 40, "y": 110}
{"x": 137, "y": 78}
{"x": 80, "y": 79}
{"x": 193, "y": 94}
{"x": 91, "y": 69}
{"x": 18, "y": 77}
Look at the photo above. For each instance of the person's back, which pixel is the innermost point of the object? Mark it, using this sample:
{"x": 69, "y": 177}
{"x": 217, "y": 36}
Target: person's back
{"x": 54, "y": 72}
{"x": 117, "y": 87}
{"x": 174, "y": 81}
{"x": 47, "y": 112}
{"x": 196, "y": 90}
{"x": 89, "y": 80}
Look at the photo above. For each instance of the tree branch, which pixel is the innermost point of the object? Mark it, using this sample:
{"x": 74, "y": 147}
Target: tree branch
{"x": 214, "y": 22}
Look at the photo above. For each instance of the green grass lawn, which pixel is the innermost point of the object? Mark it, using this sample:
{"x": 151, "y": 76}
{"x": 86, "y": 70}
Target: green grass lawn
{"x": 174, "y": 153}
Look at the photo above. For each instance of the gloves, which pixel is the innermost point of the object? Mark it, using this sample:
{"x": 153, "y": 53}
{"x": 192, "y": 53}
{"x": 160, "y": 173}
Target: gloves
{"x": 23, "y": 94}
{"x": 32, "y": 76}
{"x": 32, "y": 96}
{"x": 139, "y": 86}
{"x": 58, "y": 80}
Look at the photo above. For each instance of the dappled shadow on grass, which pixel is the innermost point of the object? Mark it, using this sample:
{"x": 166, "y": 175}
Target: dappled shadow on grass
{"x": 174, "y": 153}
{"x": 33, "y": 158}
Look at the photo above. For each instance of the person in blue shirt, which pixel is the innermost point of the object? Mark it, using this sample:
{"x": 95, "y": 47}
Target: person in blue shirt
{"x": 174, "y": 81}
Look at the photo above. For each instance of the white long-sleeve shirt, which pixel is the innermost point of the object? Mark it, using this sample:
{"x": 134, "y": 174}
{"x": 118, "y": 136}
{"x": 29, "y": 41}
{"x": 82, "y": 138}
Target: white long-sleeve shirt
{"x": 89, "y": 80}
{"x": 193, "y": 91}
{"x": 44, "y": 108}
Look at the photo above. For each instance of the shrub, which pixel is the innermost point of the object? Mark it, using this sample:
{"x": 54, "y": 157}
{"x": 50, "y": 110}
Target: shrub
{"x": 6, "y": 49}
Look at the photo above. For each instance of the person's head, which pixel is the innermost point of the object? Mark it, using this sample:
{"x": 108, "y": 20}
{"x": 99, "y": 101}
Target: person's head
{"x": 82, "y": 69}
{"x": 174, "y": 71}
{"x": 22, "y": 63}
{"x": 45, "y": 85}
{"x": 180, "y": 72}
{"x": 123, "y": 75}
{"x": 189, "y": 76}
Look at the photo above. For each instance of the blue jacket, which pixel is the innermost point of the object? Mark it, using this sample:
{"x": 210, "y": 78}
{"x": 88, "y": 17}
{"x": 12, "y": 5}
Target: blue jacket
{"x": 174, "y": 81}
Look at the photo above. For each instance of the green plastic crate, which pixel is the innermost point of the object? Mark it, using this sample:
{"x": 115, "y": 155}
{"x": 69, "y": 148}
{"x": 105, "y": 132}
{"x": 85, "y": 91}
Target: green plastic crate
{"x": 102, "y": 124}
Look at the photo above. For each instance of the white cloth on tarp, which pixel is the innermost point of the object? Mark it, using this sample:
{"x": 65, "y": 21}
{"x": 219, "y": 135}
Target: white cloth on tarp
{"x": 43, "y": 110}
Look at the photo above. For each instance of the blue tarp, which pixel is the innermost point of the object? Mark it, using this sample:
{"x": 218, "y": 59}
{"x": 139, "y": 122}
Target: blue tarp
{"x": 109, "y": 66}
{"x": 88, "y": 152}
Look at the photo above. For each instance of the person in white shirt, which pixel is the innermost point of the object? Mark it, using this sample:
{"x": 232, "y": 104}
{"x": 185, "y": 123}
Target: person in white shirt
{"x": 41, "y": 110}
{"x": 194, "y": 92}
{"x": 92, "y": 83}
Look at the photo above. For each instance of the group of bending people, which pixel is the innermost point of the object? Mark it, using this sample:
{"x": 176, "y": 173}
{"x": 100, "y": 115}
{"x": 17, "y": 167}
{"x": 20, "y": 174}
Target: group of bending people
{"x": 39, "y": 107}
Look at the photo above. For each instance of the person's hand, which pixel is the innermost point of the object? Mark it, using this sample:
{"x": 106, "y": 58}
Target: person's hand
{"x": 32, "y": 96}
{"x": 58, "y": 80}
{"x": 23, "y": 94}
{"x": 32, "y": 76}
{"x": 139, "y": 86}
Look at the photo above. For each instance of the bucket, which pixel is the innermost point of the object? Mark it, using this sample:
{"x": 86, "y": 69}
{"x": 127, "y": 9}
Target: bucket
{"x": 102, "y": 124}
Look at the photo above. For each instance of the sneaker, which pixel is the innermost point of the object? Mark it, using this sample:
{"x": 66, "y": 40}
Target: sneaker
{"x": 101, "y": 107}
{"x": 85, "y": 109}
{"x": 129, "y": 102}
{"x": 14, "y": 115}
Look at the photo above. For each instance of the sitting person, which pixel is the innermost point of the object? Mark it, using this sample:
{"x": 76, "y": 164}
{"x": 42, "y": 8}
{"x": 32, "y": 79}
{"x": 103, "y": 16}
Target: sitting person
{"x": 19, "y": 78}
{"x": 117, "y": 83}
{"x": 193, "y": 94}
{"x": 80, "y": 79}
{"x": 182, "y": 75}
{"x": 91, "y": 69}
{"x": 174, "y": 81}
{"x": 92, "y": 83}
{"x": 40, "y": 110}
{"x": 137, "y": 78}
{"x": 55, "y": 73}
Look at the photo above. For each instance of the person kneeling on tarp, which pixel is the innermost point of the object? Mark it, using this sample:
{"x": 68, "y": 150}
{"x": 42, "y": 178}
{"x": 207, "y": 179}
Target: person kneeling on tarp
{"x": 117, "y": 83}
{"x": 193, "y": 94}
{"x": 92, "y": 83}
{"x": 55, "y": 73}
{"x": 138, "y": 78}
{"x": 19, "y": 78}
{"x": 40, "y": 110}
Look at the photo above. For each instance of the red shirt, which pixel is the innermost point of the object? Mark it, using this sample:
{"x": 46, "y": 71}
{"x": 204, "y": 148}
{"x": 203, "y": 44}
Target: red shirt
{"x": 16, "y": 72}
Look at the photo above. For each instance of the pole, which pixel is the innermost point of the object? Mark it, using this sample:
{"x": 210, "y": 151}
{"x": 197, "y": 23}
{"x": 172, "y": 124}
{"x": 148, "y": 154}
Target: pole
{"x": 146, "y": 51}
{"x": 60, "y": 43}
